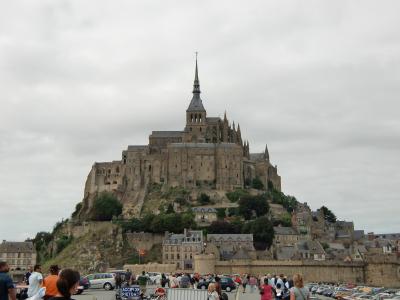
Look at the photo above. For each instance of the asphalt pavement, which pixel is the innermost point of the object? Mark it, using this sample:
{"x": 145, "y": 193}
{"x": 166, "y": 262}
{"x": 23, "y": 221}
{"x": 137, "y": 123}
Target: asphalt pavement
{"x": 100, "y": 294}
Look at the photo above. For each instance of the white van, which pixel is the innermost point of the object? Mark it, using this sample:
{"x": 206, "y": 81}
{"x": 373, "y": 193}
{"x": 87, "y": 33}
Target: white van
{"x": 102, "y": 280}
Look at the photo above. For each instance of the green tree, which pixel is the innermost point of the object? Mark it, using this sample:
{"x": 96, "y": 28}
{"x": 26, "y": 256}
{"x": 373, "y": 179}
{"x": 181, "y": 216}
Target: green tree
{"x": 105, "y": 206}
{"x": 262, "y": 230}
{"x": 221, "y": 213}
{"x": 223, "y": 227}
{"x": 253, "y": 205}
{"x": 78, "y": 208}
{"x": 329, "y": 215}
{"x": 257, "y": 184}
{"x": 170, "y": 209}
{"x": 204, "y": 199}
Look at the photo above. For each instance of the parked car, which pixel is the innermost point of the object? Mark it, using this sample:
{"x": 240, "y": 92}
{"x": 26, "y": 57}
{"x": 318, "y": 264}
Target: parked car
{"x": 227, "y": 284}
{"x": 102, "y": 280}
{"x": 84, "y": 282}
{"x": 203, "y": 284}
{"x": 154, "y": 277}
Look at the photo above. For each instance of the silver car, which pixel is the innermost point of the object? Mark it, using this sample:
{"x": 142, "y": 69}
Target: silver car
{"x": 102, "y": 280}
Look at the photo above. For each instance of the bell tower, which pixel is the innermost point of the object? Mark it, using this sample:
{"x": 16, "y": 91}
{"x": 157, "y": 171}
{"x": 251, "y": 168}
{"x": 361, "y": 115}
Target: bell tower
{"x": 196, "y": 124}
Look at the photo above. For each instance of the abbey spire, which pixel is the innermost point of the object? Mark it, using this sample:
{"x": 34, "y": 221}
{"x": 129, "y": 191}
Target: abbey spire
{"x": 196, "y": 104}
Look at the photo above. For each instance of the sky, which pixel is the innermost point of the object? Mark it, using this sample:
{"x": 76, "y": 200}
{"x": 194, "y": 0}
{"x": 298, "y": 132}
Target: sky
{"x": 318, "y": 81}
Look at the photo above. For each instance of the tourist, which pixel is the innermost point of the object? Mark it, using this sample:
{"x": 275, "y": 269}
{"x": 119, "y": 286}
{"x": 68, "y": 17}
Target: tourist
{"x": 252, "y": 281}
{"x": 128, "y": 277}
{"x": 218, "y": 287}
{"x": 118, "y": 281}
{"x": 142, "y": 282}
{"x": 185, "y": 281}
{"x": 212, "y": 292}
{"x": 244, "y": 282}
{"x": 28, "y": 274}
{"x": 299, "y": 292}
{"x": 164, "y": 280}
{"x": 50, "y": 282}
{"x": 278, "y": 291}
{"x": 35, "y": 281}
{"x": 173, "y": 283}
{"x": 266, "y": 290}
{"x": 67, "y": 284}
{"x": 7, "y": 288}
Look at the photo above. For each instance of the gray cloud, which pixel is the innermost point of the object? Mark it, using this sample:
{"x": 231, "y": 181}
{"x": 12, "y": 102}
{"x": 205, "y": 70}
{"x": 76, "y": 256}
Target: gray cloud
{"x": 79, "y": 81}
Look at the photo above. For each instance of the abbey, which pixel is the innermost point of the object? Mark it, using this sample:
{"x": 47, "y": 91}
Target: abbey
{"x": 209, "y": 152}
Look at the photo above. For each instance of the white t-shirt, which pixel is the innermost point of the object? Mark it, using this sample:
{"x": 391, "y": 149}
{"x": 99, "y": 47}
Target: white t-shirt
{"x": 35, "y": 283}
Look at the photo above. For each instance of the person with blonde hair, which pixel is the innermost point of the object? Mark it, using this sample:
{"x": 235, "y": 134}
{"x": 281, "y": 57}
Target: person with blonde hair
{"x": 299, "y": 292}
{"x": 212, "y": 292}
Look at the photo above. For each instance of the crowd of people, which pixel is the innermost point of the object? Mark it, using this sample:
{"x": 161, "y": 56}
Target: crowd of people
{"x": 270, "y": 287}
{"x": 58, "y": 285}
{"x": 61, "y": 285}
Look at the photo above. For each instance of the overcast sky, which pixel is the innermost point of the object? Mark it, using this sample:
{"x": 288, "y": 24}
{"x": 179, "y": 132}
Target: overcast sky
{"x": 317, "y": 80}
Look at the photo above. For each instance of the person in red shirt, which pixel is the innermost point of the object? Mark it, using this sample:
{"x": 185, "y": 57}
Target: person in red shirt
{"x": 50, "y": 282}
{"x": 266, "y": 290}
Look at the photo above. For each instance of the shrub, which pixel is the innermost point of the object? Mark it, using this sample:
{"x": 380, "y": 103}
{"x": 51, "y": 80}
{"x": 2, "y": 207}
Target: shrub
{"x": 235, "y": 195}
{"x": 285, "y": 220}
{"x": 63, "y": 242}
{"x": 105, "y": 206}
{"x": 257, "y": 184}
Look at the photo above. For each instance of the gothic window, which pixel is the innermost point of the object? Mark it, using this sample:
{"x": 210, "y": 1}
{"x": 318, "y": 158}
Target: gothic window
{"x": 191, "y": 117}
{"x": 200, "y": 128}
{"x": 191, "y": 128}
{"x": 117, "y": 169}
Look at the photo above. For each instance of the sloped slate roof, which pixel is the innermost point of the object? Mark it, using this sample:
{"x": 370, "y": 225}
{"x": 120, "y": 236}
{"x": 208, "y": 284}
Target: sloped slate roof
{"x": 166, "y": 134}
{"x": 204, "y": 209}
{"x": 16, "y": 247}
{"x": 230, "y": 237}
{"x": 241, "y": 254}
{"x": 196, "y": 104}
{"x": 284, "y": 230}
{"x": 285, "y": 253}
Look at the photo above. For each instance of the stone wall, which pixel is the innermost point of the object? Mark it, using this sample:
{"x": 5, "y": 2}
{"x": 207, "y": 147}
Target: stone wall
{"x": 327, "y": 272}
{"x": 383, "y": 270}
{"x": 143, "y": 240}
{"x": 151, "y": 267}
{"x": 80, "y": 230}
{"x": 376, "y": 273}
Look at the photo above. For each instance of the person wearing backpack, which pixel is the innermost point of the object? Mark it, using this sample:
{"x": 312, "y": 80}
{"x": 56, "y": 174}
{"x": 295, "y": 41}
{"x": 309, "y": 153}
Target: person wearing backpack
{"x": 299, "y": 292}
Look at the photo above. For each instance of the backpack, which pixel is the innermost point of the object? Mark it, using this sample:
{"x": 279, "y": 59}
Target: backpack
{"x": 224, "y": 296}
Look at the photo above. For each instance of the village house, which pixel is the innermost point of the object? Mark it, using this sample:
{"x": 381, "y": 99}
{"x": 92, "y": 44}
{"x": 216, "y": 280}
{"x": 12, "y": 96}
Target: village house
{"x": 19, "y": 255}
{"x": 179, "y": 249}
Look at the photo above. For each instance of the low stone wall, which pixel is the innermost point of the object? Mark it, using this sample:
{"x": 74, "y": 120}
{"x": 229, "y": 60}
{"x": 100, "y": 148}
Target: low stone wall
{"x": 312, "y": 271}
{"x": 375, "y": 272}
{"x": 151, "y": 267}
